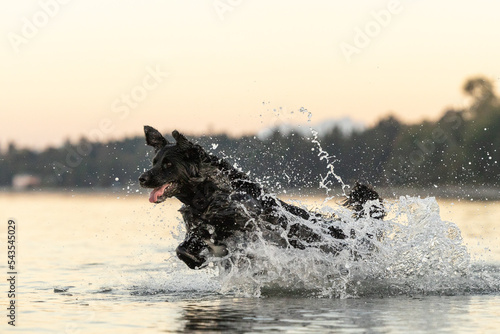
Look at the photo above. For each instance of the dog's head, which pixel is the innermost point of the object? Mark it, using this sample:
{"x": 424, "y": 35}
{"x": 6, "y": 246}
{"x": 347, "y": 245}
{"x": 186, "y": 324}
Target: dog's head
{"x": 176, "y": 172}
{"x": 173, "y": 164}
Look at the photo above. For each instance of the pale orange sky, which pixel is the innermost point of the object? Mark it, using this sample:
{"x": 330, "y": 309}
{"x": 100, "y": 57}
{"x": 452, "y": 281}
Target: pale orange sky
{"x": 72, "y": 68}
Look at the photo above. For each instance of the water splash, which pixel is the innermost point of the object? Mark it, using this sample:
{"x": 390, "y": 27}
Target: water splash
{"x": 325, "y": 182}
{"x": 412, "y": 251}
{"x": 415, "y": 252}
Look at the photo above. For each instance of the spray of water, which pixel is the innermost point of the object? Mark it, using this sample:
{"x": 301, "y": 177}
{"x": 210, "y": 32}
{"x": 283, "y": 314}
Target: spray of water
{"x": 414, "y": 251}
{"x": 411, "y": 251}
{"x": 325, "y": 181}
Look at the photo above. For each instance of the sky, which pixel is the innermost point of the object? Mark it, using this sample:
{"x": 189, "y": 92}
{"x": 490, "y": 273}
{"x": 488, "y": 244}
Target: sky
{"x": 102, "y": 69}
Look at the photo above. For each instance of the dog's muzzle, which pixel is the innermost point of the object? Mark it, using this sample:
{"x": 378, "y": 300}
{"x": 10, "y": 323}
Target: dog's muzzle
{"x": 159, "y": 193}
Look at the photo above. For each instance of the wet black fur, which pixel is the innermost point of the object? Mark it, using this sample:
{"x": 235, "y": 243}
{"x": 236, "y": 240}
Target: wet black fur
{"x": 221, "y": 202}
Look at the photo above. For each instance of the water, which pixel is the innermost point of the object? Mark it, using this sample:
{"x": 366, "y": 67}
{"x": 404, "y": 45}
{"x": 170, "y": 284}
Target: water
{"x": 92, "y": 263}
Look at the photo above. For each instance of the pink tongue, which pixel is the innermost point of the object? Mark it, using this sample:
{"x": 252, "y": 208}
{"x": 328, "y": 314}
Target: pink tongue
{"x": 157, "y": 192}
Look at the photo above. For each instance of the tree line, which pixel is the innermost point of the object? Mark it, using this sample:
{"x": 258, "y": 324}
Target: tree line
{"x": 461, "y": 148}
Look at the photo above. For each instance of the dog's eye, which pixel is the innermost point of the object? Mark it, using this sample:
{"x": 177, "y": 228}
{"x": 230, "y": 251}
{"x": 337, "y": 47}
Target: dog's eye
{"x": 167, "y": 164}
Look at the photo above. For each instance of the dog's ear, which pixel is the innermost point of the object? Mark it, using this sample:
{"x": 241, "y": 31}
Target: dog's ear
{"x": 182, "y": 141}
{"x": 154, "y": 138}
{"x": 191, "y": 150}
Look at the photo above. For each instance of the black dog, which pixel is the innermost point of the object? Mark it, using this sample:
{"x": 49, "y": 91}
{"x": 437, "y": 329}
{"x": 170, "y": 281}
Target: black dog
{"x": 221, "y": 203}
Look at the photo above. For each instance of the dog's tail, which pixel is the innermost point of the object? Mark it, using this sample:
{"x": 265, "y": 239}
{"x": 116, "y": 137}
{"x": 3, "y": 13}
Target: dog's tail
{"x": 357, "y": 198}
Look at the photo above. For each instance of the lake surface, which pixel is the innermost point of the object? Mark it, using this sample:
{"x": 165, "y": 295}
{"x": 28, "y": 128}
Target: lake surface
{"x": 105, "y": 263}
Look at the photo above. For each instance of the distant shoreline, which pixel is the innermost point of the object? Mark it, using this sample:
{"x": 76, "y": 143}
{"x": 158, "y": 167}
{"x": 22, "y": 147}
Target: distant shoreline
{"x": 441, "y": 192}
